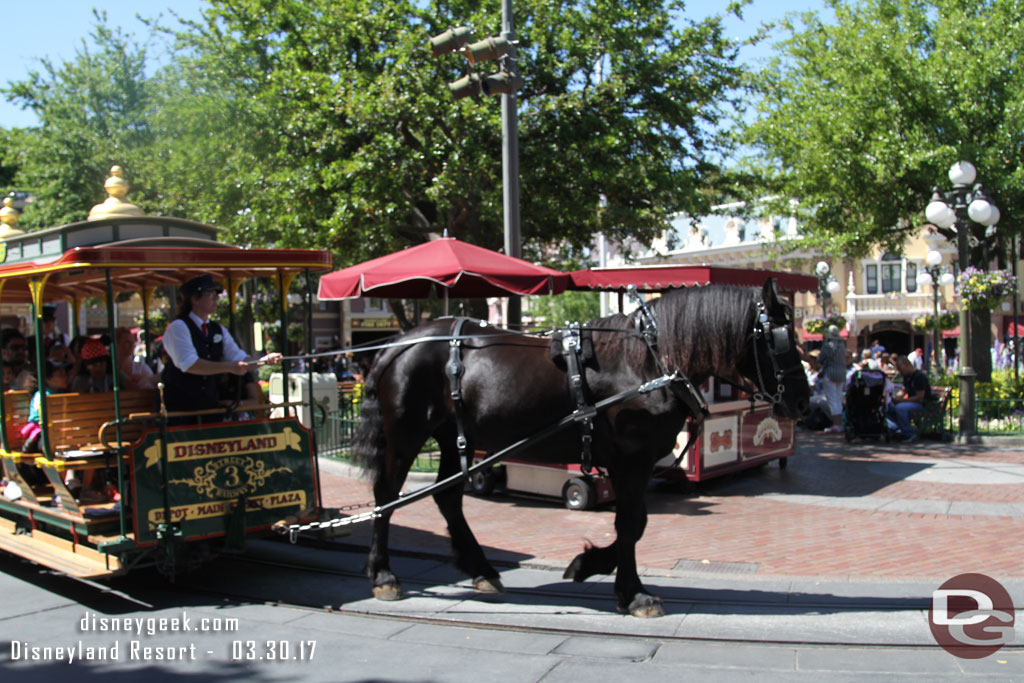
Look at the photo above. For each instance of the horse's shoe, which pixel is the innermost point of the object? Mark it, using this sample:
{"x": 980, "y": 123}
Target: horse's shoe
{"x": 388, "y": 592}
{"x": 644, "y": 606}
{"x": 484, "y": 585}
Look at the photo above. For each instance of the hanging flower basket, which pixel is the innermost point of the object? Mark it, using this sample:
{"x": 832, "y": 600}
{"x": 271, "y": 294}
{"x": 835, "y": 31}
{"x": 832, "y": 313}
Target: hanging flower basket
{"x": 981, "y": 290}
{"x": 818, "y": 325}
{"x": 926, "y": 323}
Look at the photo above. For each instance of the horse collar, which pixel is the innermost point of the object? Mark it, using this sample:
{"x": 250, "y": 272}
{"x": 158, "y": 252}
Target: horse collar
{"x": 776, "y": 341}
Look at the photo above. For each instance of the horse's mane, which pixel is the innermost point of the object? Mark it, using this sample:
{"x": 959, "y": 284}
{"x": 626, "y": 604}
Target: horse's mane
{"x": 701, "y": 330}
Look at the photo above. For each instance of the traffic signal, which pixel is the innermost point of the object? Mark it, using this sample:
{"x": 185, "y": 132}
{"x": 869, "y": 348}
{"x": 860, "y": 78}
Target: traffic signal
{"x": 460, "y": 38}
{"x": 501, "y": 83}
{"x": 467, "y": 86}
{"x": 451, "y": 40}
{"x": 488, "y": 49}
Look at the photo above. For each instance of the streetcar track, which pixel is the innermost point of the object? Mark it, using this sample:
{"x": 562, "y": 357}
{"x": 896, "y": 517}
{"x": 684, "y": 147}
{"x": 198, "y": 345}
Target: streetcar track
{"x": 848, "y": 605}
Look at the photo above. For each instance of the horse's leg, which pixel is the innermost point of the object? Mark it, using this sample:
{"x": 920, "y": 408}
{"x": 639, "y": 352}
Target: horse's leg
{"x": 467, "y": 554}
{"x": 591, "y": 561}
{"x": 630, "y": 522}
{"x": 386, "y": 487}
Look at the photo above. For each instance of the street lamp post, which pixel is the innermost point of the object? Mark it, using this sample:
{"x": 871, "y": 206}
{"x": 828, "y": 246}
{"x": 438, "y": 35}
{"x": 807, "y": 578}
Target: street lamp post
{"x": 827, "y": 286}
{"x": 934, "y": 276}
{"x": 959, "y": 207}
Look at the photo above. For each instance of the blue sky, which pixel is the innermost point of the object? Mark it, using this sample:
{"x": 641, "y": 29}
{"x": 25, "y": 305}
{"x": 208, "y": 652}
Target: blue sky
{"x": 55, "y": 28}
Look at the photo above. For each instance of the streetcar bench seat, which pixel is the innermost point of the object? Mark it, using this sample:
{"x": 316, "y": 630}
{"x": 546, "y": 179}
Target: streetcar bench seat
{"x": 75, "y": 419}
{"x": 16, "y": 414}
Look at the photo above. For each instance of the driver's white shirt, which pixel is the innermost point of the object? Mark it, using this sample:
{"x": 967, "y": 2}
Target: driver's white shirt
{"x": 178, "y": 343}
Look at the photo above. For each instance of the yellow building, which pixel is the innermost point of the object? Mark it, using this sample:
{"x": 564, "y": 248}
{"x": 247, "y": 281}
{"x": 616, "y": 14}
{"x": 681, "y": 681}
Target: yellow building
{"x": 879, "y": 295}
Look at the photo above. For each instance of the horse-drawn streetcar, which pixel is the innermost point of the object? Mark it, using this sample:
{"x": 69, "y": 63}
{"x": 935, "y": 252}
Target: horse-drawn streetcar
{"x": 162, "y": 494}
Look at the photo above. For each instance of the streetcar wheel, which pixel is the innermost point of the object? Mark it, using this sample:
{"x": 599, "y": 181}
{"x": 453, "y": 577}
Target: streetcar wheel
{"x": 483, "y": 482}
{"x": 578, "y": 494}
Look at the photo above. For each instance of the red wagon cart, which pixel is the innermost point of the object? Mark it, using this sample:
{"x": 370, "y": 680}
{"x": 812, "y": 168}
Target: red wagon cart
{"x": 737, "y": 435}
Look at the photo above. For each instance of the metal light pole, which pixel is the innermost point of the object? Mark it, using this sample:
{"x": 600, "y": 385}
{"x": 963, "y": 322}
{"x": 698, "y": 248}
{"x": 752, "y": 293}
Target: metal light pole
{"x": 827, "y": 286}
{"x": 934, "y": 276}
{"x": 510, "y": 159}
{"x": 960, "y": 206}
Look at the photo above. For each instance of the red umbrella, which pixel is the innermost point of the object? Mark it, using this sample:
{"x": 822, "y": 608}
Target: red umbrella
{"x": 446, "y": 266}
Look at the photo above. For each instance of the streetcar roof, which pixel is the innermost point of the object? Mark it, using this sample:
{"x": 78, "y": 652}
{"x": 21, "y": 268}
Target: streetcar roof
{"x": 81, "y": 271}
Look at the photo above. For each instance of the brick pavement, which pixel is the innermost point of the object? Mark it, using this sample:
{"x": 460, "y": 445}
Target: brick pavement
{"x": 743, "y": 519}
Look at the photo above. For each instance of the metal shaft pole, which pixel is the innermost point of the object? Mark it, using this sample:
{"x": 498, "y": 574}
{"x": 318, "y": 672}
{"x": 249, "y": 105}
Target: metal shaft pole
{"x": 510, "y": 160}
{"x": 1014, "y": 254}
{"x": 967, "y": 374}
{"x": 936, "y": 333}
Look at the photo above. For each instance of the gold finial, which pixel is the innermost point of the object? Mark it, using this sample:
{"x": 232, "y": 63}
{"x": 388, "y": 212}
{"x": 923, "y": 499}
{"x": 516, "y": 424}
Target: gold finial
{"x": 115, "y": 205}
{"x": 8, "y": 217}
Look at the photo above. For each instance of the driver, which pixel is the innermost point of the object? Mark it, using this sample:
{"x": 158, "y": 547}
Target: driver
{"x": 199, "y": 350}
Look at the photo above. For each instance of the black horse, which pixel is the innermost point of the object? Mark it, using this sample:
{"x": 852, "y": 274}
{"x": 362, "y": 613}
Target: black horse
{"x": 512, "y": 389}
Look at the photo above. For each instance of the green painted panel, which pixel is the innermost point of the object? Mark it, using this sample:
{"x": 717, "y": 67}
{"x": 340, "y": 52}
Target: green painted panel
{"x": 209, "y": 467}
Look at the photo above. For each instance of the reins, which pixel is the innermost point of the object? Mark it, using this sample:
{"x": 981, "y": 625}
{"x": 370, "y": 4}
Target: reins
{"x": 293, "y": 530}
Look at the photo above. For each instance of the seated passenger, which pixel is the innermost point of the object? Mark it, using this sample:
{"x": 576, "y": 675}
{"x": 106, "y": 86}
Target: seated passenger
{"x": 56, "y": 383}
{"x": 96, "y": 377}
{"x": 14, "y": 350}
{"x": 132, "y": 372}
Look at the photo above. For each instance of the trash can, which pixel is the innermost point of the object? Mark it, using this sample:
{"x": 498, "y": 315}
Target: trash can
{"x": 325, "y": 393}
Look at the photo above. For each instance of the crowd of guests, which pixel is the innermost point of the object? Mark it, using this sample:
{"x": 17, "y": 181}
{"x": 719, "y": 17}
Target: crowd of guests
{"x": 86, "y": 361}
{"x": 831, "y": 369}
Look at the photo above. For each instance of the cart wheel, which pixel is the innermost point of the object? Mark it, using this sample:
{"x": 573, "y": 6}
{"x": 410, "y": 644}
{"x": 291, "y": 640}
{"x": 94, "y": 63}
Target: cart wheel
{"x": 783, "y": 463}
{"x": 578, "y": 494}
{"x": 483, "y": 482}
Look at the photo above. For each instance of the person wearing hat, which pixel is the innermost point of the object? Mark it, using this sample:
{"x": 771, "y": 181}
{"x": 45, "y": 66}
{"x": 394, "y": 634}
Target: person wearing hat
{"x": 51, "y": 335}
{"x": 96, "y": 364}
{"x": 832, "y": 375}
{"x": 199, "y": 349}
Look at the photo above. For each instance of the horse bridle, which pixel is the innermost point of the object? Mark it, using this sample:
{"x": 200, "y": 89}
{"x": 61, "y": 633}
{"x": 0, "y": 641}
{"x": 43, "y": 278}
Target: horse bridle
{"x": 776, "y": 340}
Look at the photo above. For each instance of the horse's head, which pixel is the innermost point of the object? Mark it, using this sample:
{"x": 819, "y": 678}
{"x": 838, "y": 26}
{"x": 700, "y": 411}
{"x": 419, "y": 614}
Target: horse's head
{"x": 772, "y": 362}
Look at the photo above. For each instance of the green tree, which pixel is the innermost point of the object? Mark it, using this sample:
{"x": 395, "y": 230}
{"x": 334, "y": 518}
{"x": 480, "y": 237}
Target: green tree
{"x": 328, "y": 123}
{"x": 554, "y": 311}
{"x": 859, "y": 118}
{"x": 93, "y": 112}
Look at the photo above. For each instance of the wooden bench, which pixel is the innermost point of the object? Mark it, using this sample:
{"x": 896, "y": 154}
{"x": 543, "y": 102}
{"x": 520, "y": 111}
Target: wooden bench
{"x": 74, "y": 425}
{"x": 931, "y": 422}
{"x": 16, "y": 414}
{"x": 75, "y": 419}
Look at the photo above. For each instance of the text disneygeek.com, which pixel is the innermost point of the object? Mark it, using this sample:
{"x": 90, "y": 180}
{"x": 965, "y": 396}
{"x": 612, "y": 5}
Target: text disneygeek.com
{"x": 140, "y": 649}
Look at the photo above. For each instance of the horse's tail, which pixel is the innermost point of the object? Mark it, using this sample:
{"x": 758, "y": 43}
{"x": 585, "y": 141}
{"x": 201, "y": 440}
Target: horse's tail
{"x": 369, "y": 443}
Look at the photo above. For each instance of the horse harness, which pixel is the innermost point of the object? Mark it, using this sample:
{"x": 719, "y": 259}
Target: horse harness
{"x": 454, "y": 369}
{"x": 583, "y": 415}
{"x": 776, "y": 340}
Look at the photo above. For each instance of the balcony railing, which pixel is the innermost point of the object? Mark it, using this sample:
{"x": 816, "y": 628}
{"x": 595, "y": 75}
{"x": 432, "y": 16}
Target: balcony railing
{"x": 892, "y": 306}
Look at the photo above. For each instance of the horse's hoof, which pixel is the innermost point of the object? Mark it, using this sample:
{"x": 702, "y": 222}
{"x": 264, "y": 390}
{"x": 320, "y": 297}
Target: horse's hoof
{"x": 387, "y": 592}
{"x": 485, "y": 585}
{"x": 646, "y": 606}
{"x": 573, "y": 571}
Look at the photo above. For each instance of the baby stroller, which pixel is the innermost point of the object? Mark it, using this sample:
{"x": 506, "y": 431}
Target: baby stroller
{"x": 865, "y": 406}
